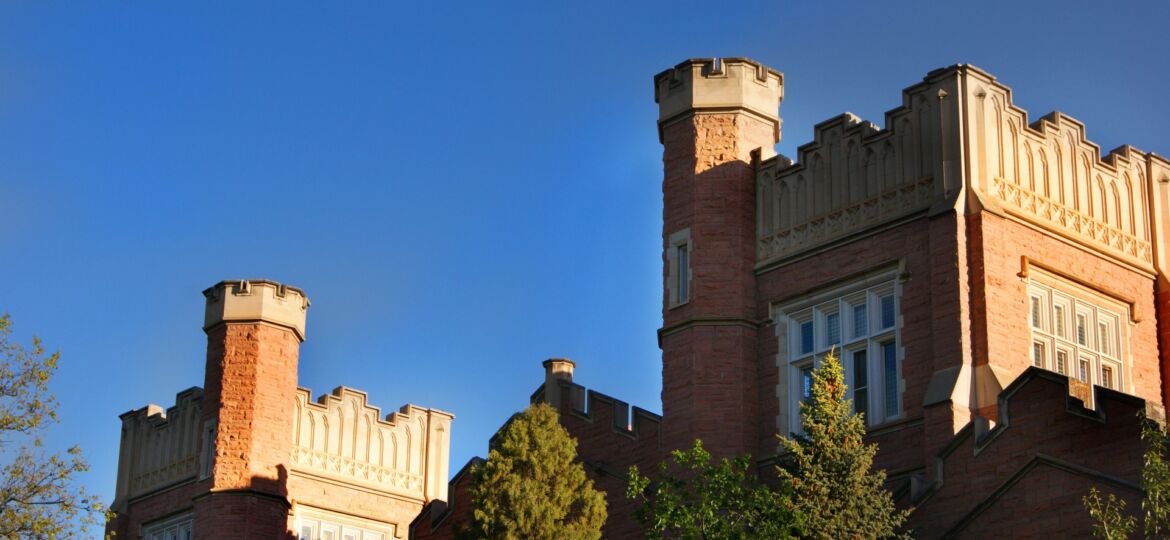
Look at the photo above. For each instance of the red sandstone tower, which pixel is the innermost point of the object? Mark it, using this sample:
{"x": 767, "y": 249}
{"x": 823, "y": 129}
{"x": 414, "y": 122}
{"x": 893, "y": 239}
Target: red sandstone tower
{"x": 715, "y": 118}
{"x": 254, "y": 331}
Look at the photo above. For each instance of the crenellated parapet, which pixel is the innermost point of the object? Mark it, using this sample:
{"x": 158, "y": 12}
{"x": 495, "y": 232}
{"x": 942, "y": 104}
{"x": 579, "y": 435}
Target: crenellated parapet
{"x": 568, "y": 397}
{"x": 718, "y": 85}
{"x": 1047, "y": 173}
{"x": 854, "y": 176}
{"x": 603, "y": 409}
{"x": 342, "y": 436}
{"x": 159, "y": 448}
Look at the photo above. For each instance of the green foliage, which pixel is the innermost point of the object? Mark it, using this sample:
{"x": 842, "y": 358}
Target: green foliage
{"x": 1111, "y": 522}
{"x": 1155, "y": 480}
{"x": 532, "y": 487}
{"x": 37, "y": 495}
{"x": 1109, "y": 516}
{"x": 833, "y": 488}
{"x": 706, "y": 501}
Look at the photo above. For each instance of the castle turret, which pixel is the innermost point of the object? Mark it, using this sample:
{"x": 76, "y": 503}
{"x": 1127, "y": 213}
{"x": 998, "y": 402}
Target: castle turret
{"x": 254, "y": 331}
{"x": 713, "y": 117}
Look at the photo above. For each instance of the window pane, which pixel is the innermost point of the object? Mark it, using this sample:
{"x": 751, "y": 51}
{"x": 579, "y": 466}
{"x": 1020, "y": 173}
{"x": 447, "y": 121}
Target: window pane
{"x": 1103, "y": 340}
{"x": 861, "y": 403}
{"x": 860, "y": 373}
{"x": 888, "y": 314}
{"x": 1037, "y": 321}
{"x": 1083, "y": 372}
{"x": 1107, "y": 377}
{"x": 306, "y": 532}
{"x": 833, "y": 324}
{"x": 806, "y": 383}
{"x": 890, "y": 377}
{"x": 1082, "y": 338}
{"x": 806, "y": 337}
{"x": 1038, "y": 354}
{"x": 1061, "y": 362}
{"x": 1058, "y": 320}
{"x": 860, "y": 322}
{"x": 684, "y": 265}
{"x": 860, "y": 369}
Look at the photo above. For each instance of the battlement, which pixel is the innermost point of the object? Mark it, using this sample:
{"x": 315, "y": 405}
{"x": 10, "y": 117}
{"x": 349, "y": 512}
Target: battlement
{"x": 159, "y": 448}
{"x": 256, "y": 300}
{"x": 854, "y": 176}
{"x": 716, "y": 85}
{"x": 341, "y": 435}
{"x": 595, "y": 407}
{"x": 1048, "y": 173}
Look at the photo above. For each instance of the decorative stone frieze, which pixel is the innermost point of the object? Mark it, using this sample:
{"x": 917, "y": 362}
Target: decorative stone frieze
{"x": 1020, "y": 200}
{"x": 341, "y": 435}
{"x": 1048, "y": 174}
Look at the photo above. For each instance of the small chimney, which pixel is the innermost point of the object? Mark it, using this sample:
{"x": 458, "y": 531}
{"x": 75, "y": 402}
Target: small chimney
{"x": 556, "y": 370}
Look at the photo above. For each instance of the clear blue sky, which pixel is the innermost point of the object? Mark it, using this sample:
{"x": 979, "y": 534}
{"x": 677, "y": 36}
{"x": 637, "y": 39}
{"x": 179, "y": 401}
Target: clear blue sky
{"x": 462, "y": 190}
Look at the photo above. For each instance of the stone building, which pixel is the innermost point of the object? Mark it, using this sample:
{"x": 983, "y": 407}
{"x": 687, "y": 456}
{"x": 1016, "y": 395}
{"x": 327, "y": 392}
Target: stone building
{"x": 251, "y": 455}
{"x": 997, "y": 289}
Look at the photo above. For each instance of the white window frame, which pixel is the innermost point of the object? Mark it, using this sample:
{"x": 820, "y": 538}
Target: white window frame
{"x": 841, "y": 301}
{"x": 1104, "y": 343}
{"x": 314, "y": 523}
{"x": 678, "y": 280}
{"x": 172, "y": 528}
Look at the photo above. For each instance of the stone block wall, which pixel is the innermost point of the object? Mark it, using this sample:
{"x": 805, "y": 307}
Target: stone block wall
{"x": 1027, "y": 475}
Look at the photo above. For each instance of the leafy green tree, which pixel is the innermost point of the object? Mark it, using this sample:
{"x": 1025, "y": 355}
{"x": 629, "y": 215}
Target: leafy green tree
{"x": 1155, "y": 480}
{"x": 1109, "y": 515}
{"x": 710, "y": 501}
{"x": 532, "y": 487}
{"x": 38, "y": 498}
{"x": 834, "y": 490}
{"x": 1111, "y": 521}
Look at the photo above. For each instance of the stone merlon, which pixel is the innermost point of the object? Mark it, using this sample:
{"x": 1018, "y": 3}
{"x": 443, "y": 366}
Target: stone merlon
{"x": 256, "y": 300}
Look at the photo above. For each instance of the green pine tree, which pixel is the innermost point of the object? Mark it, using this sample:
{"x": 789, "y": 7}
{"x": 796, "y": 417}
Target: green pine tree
{"x": 700, "y": 500}
{"x": 532, "y": 487}
{"x": 834, "y": 490}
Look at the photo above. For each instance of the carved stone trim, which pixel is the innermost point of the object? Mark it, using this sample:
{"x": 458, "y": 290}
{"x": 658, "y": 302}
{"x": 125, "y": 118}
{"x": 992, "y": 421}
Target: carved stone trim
{"x": 1064, "y": 220}
{"x": 342, "y": 436}
{"x": 366, "y": 472}
{"x": 841, "y": 222}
